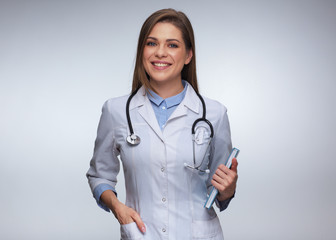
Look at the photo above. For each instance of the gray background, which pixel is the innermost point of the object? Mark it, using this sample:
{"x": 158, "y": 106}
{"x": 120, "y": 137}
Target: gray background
{"x": 272, "y": 63}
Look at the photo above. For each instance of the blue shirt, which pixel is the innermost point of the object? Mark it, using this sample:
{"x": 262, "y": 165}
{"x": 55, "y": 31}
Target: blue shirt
{"x": 163, "y": 108}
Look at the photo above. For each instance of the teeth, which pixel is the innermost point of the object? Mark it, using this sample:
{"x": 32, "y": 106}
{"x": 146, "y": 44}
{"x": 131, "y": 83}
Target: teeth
{"x": 161, "y": 64}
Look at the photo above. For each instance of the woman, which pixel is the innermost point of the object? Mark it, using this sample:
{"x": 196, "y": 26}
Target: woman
{"x": 168, "y": 174}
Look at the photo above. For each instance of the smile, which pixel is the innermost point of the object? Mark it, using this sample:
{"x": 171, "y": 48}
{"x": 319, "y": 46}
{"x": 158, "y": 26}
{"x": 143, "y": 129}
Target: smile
{"x": 160, "y": 65}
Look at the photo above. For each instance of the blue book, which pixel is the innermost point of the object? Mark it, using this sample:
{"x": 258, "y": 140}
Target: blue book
{"x": 213, "y": 194}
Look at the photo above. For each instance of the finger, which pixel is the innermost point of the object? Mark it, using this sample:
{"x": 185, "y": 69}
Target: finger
{"x": 139, "y": 222}
{"x": 220, "y": 187}
{"x": 227, "y": 170}
{"x": 222, "y": 167}
{"x": 221, "y": 172}
{"x": 222, "y": 179}
{"x": 217, "y": 185}
{"x": 234, "y": 165}
{"x": 225, "y": 177}
{"x": 217, "y": 179}
{"x": 224, "y": 182}
{"x": 125, "y": 220}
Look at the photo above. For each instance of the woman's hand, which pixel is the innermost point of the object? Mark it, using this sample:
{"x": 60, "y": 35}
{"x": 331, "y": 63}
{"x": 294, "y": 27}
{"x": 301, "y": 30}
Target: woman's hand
{"x": 225, "y": 180}
{"x": 123, "y": 214}
{"x": 126, "y": 215}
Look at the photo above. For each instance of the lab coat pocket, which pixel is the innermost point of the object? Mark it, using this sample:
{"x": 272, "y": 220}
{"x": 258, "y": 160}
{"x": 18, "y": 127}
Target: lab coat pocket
{"x": 202, "y": 135}
{"x": 130, "y": 231}
{"x": 207, "y": 230}
{"x": 201, "y": 147}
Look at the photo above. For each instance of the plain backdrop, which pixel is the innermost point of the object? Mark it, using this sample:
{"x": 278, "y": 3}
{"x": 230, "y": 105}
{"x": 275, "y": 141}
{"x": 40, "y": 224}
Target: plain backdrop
{"x": 271, "y": 63}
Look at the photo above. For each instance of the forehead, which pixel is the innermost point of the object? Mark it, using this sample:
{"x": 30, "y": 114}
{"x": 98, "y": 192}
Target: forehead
{"x": 165, "y": 30}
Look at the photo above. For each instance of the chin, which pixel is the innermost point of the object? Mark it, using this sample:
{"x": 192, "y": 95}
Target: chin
{"x": 160, "y": 80}
{"x": 165, "y": 78}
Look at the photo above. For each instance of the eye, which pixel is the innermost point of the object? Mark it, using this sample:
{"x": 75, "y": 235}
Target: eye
{"x": 151, "y": 44}
{"x": 172, "y": 45}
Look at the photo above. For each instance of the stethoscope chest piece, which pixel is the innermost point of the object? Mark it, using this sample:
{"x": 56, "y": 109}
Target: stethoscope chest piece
{"x": 133, "y": 139}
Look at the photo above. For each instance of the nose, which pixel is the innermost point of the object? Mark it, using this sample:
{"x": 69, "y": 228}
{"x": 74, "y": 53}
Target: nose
{"x": 161, "y": 51}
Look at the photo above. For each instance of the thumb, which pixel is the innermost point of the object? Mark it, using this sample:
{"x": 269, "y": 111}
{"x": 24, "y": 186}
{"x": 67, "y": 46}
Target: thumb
{"x": 139, "y": 222}
{"x": 234, "y": 165}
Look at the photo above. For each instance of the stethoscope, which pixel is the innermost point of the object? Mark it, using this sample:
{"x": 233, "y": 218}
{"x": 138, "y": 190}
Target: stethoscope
{"x": 134, "y": 139}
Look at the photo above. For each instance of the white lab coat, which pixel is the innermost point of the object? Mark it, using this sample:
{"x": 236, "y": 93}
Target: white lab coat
{"x": 168, "y": 196}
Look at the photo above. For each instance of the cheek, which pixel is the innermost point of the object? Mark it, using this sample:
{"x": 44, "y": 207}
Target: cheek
{"x": 146, "y": 53}
{"x": 145, "y": 64}
{"x": 145, "y": 59}
{"x": 179, "y": 57}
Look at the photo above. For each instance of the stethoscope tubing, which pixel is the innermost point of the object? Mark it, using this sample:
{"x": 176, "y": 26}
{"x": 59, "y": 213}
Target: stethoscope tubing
{"x": 127, "y": 111}
{"x": 134, "y": 140}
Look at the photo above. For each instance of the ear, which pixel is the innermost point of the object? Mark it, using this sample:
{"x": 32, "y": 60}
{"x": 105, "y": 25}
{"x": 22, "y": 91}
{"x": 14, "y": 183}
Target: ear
{"x": 189, "y": 57}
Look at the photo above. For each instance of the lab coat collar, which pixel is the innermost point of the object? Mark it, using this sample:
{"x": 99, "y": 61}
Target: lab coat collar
{"x": 190, "y": 99}
{"x": 139, "y": 98}
{"x": 145, "y": 109}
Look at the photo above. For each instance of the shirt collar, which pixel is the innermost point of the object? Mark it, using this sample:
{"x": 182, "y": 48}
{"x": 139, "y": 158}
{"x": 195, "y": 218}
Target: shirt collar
{"x": 171, "y": 101}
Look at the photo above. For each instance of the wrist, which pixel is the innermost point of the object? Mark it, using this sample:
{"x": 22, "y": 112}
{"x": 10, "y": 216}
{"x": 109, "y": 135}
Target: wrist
{"x": 109, "y": 198}
{"x": 224, "y": 197}
{"x": 221, "y": 198}
{"x": 115, "y": 206}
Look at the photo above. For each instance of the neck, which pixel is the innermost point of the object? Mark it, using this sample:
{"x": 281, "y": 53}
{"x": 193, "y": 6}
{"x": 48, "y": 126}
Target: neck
{"x": 169, "y": 89}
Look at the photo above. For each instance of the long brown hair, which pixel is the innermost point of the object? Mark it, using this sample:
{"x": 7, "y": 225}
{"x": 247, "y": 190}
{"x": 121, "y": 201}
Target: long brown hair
{"x": 179, "y": 20}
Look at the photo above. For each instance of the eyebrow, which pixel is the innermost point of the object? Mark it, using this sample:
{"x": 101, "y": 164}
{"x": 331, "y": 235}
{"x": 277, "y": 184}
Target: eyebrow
{"x": 168, "y": 40}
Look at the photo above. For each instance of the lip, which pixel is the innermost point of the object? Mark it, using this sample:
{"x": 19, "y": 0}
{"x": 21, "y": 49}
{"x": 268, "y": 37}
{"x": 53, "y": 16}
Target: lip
{"x": 165, "y": 66}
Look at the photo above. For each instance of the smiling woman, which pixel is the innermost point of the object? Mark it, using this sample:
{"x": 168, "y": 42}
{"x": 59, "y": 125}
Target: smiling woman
{"x": 164, "y": 57}
{"x": 180, "y": 34}
{"x": 167, "y": 172}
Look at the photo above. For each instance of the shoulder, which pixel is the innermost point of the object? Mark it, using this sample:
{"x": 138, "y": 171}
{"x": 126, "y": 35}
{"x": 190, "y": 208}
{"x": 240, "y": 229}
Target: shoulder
{"x": 116, "y": 103}
{"x": 214, "y": 106}
{"x": 217, "y": 114}
{"x": 115, "y": 108}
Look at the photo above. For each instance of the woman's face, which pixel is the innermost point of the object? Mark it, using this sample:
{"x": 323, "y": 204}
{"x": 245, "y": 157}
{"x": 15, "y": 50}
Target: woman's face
{"x": 165, "y": 54}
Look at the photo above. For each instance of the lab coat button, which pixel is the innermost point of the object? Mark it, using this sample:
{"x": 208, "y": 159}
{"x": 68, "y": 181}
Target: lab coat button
{"x": 163, "y": 230}
{"x": 163, "y": 199}
{"x": 162, "y": 169}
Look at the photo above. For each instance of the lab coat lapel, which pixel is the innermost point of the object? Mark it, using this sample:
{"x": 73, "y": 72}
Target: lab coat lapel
{"x": 146, "y": 111}
{"x": 190, "y": 102}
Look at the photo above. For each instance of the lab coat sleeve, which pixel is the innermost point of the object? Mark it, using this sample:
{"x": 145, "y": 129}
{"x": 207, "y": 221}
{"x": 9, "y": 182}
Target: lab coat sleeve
{"x": 104, "y": 165}
{"x": 220, "y": 150}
